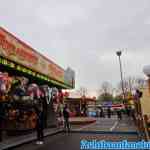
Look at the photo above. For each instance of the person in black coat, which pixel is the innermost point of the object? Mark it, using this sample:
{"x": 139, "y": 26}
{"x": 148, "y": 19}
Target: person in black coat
{"x": 109, "y": 112}
{"x": 101, "y": 112}
{"x": 40, "y": 125}
{"x": 119, "y": 114}
{"x": 2, "y": 116}
{"x": 66, "y": 118}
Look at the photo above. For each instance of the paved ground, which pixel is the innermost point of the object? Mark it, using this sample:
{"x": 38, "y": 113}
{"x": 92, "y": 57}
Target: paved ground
{"x": 126, "y": 125}
{"x": 110, "y": 124}
{"x": 103, "y": 124}
{"x": 9, "y": 141}
{"x": 72, "y": 141}
{"x": 17, "y": 140}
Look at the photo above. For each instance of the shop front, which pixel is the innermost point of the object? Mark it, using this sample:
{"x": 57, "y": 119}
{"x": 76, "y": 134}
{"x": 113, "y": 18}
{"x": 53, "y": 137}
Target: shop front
{"x": 79, "y": 106}
{"x": 27, "y": 80}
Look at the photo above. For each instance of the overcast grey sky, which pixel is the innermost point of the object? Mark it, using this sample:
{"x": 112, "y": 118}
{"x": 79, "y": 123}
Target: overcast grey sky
{"x": 84, "y": 34}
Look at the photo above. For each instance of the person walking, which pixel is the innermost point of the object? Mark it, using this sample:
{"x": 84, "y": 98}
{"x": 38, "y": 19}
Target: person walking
{"x": 109, "y": 112}
{"x": 101, "y": 112}
{"x": 2, "y": 116}
{"x": 61, "y": 105}
{"x": 128, "y": 111}
{"x": 133, "y": 115}
{"x": 40, "y": 125}
{"x": 66, "y": 118}
{"x": 119, "y": 114}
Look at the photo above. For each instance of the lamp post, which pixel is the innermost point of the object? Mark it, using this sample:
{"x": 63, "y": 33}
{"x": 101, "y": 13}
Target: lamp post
{"x": 121, "y": 73}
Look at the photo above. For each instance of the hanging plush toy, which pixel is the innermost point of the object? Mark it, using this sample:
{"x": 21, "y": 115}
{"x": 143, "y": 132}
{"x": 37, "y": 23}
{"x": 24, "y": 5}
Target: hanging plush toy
{"x": 34, "y": 91}
{"x": 5, "y": 83}
{"x": 2, "y": 84}
{"x": 47, "y": 92}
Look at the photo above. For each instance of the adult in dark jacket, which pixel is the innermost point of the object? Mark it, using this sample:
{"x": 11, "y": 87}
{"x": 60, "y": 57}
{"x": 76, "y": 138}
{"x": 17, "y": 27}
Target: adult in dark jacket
{"x": 109, "y": 112}
{"x": 119, "y": 114}
{"x": 40, "y": 125}
{"x": 2, "y": 116}
{"x": 101, "y": 112}
{"x": 66, "y": 118}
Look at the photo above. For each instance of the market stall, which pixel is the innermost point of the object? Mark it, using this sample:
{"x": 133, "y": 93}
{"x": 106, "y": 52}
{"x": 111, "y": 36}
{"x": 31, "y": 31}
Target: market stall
{"x": 28, "y": 79}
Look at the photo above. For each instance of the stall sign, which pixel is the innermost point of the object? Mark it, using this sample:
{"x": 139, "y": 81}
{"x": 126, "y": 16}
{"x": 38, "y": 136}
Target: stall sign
{"x": 20, "y": 68}
{"x": 17, "y": 51}
{"x": 7, "y": 63}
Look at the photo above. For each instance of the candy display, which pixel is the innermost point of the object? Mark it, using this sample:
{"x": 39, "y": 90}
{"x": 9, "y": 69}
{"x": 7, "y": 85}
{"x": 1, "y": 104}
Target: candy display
{"x": 20, "y": 97}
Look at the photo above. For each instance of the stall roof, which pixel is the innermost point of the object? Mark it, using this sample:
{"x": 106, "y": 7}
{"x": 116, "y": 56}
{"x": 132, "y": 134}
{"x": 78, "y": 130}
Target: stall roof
{"x": 19, "y": 52}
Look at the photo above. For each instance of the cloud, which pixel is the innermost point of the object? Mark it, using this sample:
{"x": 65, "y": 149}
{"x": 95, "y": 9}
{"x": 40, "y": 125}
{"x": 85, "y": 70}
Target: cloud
{"x": 60, "y": 15}
{"x": 84, "y": 35}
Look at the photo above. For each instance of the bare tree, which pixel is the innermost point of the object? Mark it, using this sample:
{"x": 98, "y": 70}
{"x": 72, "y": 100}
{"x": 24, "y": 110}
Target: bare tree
{"x": 132, "y": 83}
{"x": 141, "y": 82}
{"x": 83, "y": 91}
{"x": 106, "y": 87}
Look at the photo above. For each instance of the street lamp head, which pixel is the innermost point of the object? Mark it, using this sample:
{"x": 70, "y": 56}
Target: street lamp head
{"x": 118, "y": 53}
